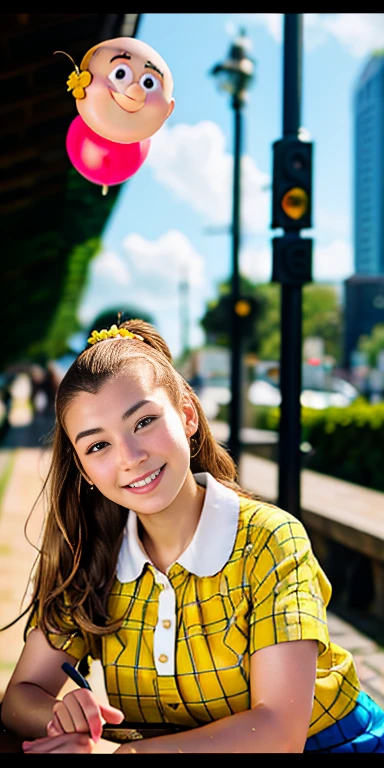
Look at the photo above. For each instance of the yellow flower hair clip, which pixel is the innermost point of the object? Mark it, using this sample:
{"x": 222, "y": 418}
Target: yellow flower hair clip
{"x": 77, "y": 81}
{"x": 112, "y": 333}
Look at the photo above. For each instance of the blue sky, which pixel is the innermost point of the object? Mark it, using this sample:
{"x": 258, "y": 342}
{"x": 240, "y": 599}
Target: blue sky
{"x": 170, "y": 221}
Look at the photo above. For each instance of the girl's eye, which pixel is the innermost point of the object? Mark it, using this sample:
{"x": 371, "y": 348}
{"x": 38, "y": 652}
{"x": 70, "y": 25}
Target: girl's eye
{"x": 121, "y": 74}
{"x": 149, "y": 82}
{"x": 144, "y": 422}
{"x": 95, "y": 448}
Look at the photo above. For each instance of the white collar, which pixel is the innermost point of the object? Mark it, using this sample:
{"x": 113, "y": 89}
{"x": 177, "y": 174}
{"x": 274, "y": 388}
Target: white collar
{"x": 212, "y": 542}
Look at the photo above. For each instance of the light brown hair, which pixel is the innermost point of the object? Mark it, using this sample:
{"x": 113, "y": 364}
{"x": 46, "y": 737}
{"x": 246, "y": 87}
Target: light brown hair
{"x": 83, "y": 529}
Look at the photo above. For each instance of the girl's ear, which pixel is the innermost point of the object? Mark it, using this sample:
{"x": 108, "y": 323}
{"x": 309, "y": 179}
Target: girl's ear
{"x": 191, "y": 420}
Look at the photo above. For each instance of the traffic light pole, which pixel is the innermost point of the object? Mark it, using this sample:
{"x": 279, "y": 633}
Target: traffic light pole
{"x": 291, "y": 296}
{"x": 234, "y": 443}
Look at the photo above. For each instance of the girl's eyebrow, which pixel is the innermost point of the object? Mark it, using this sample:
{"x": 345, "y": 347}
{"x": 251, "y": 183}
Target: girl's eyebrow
{"x": 125, "y": 415}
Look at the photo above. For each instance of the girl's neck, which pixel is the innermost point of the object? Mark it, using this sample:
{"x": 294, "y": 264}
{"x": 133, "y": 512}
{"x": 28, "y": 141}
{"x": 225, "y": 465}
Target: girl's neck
{"x": 166, "y": 535}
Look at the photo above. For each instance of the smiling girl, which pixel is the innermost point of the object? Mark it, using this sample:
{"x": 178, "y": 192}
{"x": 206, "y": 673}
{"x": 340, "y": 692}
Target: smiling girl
{"x": 205, "y": 605}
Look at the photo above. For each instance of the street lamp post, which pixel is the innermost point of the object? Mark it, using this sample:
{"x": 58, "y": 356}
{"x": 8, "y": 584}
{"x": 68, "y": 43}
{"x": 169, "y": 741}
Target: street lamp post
{"x": 234, "y": 76}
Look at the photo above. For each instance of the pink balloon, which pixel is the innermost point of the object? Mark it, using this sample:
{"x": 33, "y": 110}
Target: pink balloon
{"x": 100, "y": 160}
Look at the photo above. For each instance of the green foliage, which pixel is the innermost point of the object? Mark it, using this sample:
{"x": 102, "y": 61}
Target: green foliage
{"x": 65, "y": 321}
{"x": 269, "y": 321}
{"x": 348, "y": 442}
{"x": 46, "y": 249}
{"x": 373, "y": 344}
{"x": 216, "y": 321}
{"x": 321, "y": 317}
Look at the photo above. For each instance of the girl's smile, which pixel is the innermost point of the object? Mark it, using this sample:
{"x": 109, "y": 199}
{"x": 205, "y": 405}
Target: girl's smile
{"x": 146, "y": 483}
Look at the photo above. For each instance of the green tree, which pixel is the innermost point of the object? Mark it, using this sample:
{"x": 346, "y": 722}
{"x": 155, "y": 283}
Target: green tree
{"x": 373, "y": 344}
{"x": 216, "y": 322}
{"x": 321, "y": 317}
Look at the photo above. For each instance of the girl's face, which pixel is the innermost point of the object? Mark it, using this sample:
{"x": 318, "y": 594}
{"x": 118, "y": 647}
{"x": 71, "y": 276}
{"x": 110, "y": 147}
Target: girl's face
{"x": 132, "y": 442}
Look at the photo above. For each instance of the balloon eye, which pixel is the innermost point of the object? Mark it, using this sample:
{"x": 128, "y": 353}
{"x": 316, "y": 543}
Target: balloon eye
{"x": 149, "y": 82}
{"x": 121, "y": 74}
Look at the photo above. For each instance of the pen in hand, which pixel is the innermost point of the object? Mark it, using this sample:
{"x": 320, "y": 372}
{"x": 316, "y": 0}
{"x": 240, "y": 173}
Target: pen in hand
{"x": 75, "y": 676}
{"x": 83, "y": 683}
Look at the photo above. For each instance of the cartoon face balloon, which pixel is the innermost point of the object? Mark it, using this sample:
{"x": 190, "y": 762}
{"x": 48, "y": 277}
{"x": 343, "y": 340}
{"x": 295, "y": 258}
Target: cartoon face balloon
{"x": 123, "y": 91}
{"x": 126, "y": 94}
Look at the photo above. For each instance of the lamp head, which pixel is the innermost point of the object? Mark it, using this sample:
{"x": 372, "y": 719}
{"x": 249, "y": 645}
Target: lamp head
{"x": 236, "y": 73}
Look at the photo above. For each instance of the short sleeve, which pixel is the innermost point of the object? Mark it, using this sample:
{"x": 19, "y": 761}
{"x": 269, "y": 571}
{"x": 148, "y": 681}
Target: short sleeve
{"x": 71, "y": 641}
{"x": 289, "y": 591}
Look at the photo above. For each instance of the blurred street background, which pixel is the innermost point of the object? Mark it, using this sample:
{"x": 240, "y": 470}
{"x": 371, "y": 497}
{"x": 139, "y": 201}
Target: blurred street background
{"x": 284, "y": 347}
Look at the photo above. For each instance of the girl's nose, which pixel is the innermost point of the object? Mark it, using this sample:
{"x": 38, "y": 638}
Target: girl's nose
{"x": 136, "y": 92}
{"x": 131, "y": 454}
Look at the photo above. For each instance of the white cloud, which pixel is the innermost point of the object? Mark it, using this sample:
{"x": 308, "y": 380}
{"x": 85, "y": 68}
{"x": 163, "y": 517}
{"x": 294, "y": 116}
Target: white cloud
{"x": 330, "y": 263}
{"x": 169, "y": 259}
{"x": 333, "y": 262}
{"x": 359, "y": 33}
{"x": 193, "y": 163}
{"x": 156, "y": 270}
{"x": 109, "y": 266}
{"x": 331, "y": 223}
{"x": 256, "y": 263}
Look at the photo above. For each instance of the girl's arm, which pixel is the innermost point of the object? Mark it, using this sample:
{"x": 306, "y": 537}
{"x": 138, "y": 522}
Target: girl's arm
{"x": 282, "y": 681}
{"x": 30, "y": 701}
{"x": 32, "y": 690}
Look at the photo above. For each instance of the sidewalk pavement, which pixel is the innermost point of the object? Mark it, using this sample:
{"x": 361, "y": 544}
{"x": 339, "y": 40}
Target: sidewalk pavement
{"x": 27, "y": 468}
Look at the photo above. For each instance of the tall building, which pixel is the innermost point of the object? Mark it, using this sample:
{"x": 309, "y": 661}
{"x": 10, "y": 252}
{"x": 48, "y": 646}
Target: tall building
{"x": 369, "y": 168}
{"x": 364, "y": 291}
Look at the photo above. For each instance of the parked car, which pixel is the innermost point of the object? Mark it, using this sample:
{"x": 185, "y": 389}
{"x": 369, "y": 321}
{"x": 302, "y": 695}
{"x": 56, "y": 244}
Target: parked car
{"x": 214, "y": 392}
{"x": 340, "y": 393}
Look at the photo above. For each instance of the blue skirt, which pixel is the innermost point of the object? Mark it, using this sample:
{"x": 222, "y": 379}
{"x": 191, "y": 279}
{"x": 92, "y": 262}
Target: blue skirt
{"x": 362, "y": 730}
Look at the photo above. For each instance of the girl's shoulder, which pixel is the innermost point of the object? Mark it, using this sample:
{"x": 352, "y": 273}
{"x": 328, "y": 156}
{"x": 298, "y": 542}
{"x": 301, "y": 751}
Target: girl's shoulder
{"x": 264, "y": 520}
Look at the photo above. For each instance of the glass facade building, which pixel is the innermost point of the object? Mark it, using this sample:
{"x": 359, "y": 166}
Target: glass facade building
{"x": 369, "y": 168}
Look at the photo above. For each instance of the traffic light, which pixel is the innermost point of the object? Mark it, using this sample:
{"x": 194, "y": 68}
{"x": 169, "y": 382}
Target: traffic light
{"x": 292, "y": 260}
{"x": 247, "y": 309}
{"x": 292, "y": 184}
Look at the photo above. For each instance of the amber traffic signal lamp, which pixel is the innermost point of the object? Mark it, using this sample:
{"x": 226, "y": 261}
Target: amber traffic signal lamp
{"x": 292, "y": 184}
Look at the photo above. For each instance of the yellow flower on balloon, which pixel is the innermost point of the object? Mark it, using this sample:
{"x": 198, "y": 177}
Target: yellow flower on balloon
{"x": 77, "y": 82}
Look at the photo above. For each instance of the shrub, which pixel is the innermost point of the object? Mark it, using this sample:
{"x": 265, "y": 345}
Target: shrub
{"x": 347, "y": 442}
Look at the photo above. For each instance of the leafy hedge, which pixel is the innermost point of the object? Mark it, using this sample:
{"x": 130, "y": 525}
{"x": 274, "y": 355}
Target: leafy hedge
{"x": 348, "y": 442}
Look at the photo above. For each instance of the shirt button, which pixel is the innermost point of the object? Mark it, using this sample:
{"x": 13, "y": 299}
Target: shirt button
{"x": 163, "y": 658}
{"x": 166, "y": 623}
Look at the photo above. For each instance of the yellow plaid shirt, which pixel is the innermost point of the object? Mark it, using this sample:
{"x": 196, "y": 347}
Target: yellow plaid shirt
{"x": 248, "y": 579}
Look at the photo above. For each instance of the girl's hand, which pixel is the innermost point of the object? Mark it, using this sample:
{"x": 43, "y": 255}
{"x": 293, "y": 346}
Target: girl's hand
{"x": 79, "y": 712}
{"x": 71, "y": 743}
{"x": 65, "y": 742}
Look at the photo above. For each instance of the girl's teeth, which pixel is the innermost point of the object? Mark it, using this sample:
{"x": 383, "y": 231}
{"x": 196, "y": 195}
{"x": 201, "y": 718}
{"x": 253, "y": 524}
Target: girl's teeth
{"x": 147, "y": 480}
